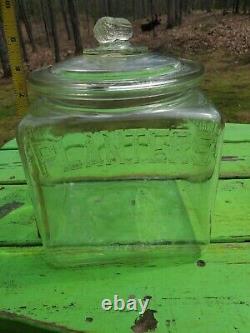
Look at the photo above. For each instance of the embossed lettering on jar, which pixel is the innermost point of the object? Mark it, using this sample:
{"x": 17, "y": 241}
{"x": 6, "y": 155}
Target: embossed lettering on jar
{"x": 121, "y": 152}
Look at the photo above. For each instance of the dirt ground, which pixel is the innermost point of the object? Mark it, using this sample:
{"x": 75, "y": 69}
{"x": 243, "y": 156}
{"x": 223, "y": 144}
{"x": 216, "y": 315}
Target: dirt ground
{"x": 221, "y": 43}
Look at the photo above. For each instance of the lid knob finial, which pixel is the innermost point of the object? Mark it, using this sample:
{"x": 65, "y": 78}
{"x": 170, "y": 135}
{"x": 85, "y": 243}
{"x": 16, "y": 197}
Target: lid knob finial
{"x": 111, "y": 29}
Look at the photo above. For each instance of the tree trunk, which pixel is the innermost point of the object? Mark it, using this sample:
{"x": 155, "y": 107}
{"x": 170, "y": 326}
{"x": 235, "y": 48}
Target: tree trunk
{"x": 4, "y": 54}
{"x": 178, "y": 12}
{"x": 107, "y": 5}
{"x": 181, "y": 11}
{"x": 21, "y": 38}
{"x": 134, "y": 9}
{"x": 187, "y": 8}
{"x": 73, "y": 12}
{"x": 208, "y": 5}
{"x": 95, "y": 15}
{"x": 151, "y": 9}
{"x": 45, "y": 21}
{"x": 86, "y": 8}
{"x": 236, "y": 6}
{"x": 143, "y": 8}
{"x": 245, "y": 6}
{"x": 65, "y": 18}
{"x": 22, "y": 42}
{"x": 26, "y": 20}
{"x": 54, "y": 30}
{"x": 171, "y": 14}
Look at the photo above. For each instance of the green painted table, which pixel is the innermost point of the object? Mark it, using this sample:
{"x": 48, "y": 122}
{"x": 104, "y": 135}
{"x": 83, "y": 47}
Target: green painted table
{"x": 210, "y": 298}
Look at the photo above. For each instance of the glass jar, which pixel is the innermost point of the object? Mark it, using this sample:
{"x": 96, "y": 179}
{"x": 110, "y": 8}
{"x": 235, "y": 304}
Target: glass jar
{"x": 121, "y": 152}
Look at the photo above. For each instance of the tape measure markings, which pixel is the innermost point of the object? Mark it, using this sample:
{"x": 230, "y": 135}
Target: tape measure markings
{"x": 15, "y": 56}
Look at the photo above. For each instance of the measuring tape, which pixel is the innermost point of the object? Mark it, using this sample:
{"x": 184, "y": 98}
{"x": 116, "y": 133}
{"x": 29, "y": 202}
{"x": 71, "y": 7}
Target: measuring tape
{"x": 15, "y": 56}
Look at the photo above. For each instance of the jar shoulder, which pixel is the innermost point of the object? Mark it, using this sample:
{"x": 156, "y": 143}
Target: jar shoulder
{"x": 196, "y": 107}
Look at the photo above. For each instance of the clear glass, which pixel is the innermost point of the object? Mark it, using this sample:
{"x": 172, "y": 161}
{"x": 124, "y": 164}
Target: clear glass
{"x": 121, "y": 152}
{"x": 129, "y": 181}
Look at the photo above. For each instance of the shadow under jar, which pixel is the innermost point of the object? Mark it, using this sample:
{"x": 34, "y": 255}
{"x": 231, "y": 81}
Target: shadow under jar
{"x": 121, "y": 152}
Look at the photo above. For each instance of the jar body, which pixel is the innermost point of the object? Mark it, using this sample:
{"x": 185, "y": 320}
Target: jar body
{"x": 139, "y": 176}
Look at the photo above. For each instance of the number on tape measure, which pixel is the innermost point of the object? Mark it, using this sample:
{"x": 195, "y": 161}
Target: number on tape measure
{"x": 7, "y": 4}
{"x": 15, "y": 57}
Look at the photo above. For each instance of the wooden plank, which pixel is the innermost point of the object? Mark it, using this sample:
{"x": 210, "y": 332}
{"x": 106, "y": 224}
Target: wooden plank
{"x": 21, "y": 230}
{"x": 183, "y": 298}
{"x": 232, "y": 211}
{"x": 233, "y": 133}
{"x": 12, "y": 144}
{"x": 11, "y": 169}
{"x": 229, "y": 224}
{"x": 237, "y": 132}
{"x": 235, "y": 163}
{"x": 17, "y": 222}
{"x": 235, "y": 159}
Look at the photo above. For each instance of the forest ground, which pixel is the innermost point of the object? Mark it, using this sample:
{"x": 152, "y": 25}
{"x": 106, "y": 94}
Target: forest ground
{"x": 221, "y": 43}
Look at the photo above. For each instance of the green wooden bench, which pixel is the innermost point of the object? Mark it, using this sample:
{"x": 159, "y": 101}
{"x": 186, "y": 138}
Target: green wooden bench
{"x": 211, "y": 296}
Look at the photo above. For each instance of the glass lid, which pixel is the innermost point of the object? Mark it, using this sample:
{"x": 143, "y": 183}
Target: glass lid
{"x": 115, "y": 69}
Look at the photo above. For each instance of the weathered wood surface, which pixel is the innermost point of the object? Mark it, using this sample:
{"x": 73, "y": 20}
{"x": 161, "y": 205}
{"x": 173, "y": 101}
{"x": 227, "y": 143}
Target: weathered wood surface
{"x": 235, "y": 160}
{"x": 187, "y": 298}
{"x": 230, "y": 222}
{"x": 17, "y": 222}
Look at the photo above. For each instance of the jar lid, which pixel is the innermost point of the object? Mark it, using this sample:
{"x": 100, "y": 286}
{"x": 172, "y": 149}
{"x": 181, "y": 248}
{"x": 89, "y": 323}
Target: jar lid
{"x": 115, "y": 70}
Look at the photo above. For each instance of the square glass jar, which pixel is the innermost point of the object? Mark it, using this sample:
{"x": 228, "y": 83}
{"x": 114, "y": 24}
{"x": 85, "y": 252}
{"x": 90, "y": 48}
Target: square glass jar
{"x": 121, "y": 152}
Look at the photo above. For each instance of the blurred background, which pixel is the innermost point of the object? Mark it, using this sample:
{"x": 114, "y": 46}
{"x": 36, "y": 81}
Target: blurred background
{"x": 214, "y": 32}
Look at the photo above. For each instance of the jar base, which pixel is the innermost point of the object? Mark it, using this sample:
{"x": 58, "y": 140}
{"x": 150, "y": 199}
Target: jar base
{"x": 124, "y": 254}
